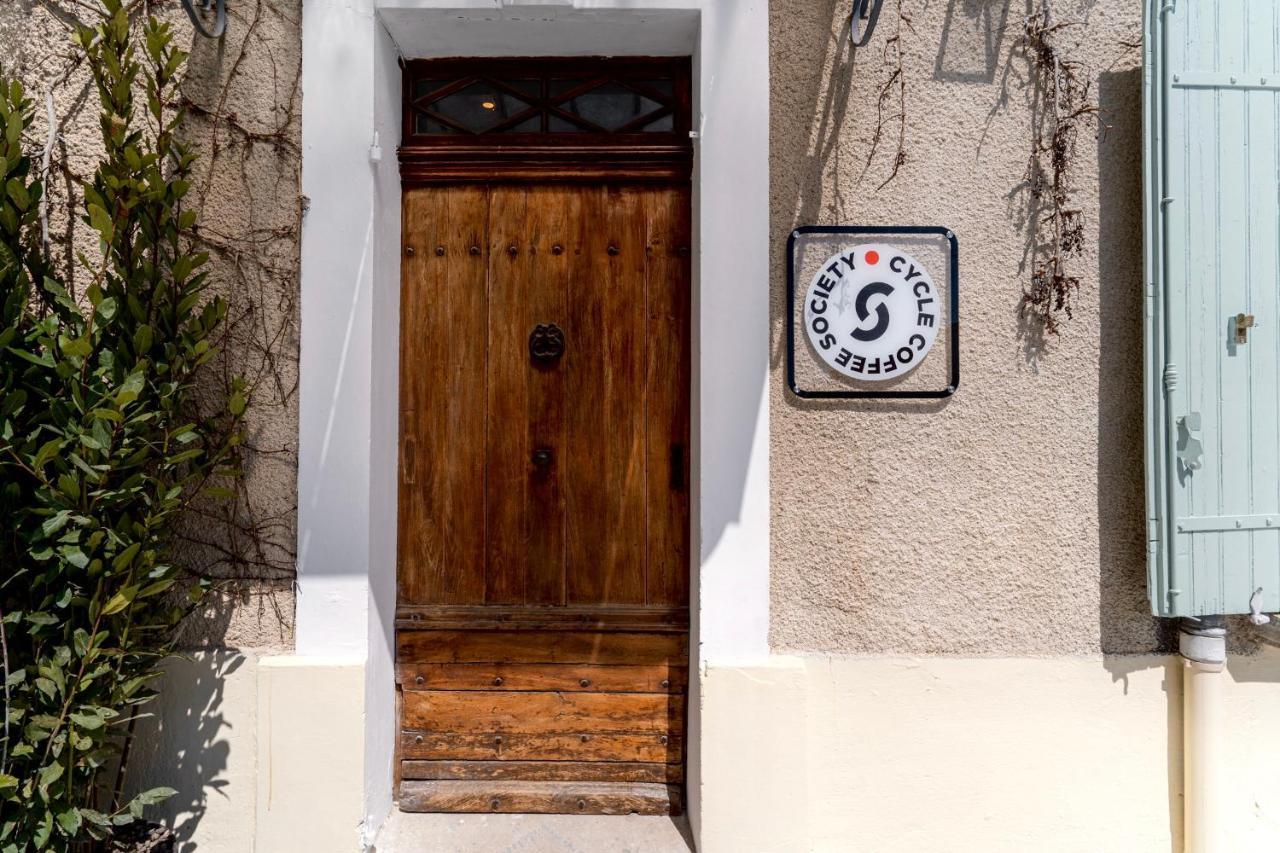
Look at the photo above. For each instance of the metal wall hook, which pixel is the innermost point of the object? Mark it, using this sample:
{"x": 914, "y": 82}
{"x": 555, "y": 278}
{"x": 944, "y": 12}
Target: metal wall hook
{"x": 863, "y": 10}
{"x": 219, "y": 19}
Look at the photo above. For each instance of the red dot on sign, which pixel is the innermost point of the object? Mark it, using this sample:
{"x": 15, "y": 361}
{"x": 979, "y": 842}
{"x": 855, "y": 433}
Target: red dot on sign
{"x": 873, "y": 258}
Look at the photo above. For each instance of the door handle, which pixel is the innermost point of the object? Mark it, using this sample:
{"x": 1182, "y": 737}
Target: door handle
{"x": 1244, "y": 322}
{"x": 546, "y": 343}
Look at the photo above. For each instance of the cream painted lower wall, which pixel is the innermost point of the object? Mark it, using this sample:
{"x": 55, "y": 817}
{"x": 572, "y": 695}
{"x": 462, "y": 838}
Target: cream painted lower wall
{"x": 1051, "y": 754}
{"x": 801, "y": 754}
{"x": 267, "y": 753}
{"x": 201, "y": 740}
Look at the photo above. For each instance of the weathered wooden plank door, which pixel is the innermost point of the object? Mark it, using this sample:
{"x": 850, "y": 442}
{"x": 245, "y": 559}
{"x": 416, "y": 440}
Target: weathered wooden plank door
{"x": 543, "y": 529}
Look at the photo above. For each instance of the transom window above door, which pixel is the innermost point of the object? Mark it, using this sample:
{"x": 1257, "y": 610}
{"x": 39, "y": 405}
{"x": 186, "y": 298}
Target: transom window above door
{"x": 599, "y": 97}
{"x": 546, "y": 119}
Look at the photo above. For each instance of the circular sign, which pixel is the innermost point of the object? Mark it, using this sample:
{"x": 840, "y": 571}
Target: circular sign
{"x": 871, "y": 312}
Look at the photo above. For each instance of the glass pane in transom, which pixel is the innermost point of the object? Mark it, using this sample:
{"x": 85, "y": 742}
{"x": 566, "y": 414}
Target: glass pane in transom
{"x": 423, "y": 87}
{"x": 665, "y": 124}
{"x": 423, "y": 123}
{"x": 479, "y": 107}
{"x": 610, "y": 105}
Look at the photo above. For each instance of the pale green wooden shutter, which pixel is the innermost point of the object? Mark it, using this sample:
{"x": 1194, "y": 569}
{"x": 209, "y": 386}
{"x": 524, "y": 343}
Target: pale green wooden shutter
{"x": 1212, "y": 182}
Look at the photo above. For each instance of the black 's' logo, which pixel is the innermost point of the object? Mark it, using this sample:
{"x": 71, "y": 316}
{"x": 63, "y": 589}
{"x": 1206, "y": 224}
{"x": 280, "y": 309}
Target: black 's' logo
{"x": 875, "y": 288}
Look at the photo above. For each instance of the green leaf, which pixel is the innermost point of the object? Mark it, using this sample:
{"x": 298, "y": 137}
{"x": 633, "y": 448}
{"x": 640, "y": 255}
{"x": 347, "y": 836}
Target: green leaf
{"x": 44, "y": 359}
{"x": 155, "y": 588}
{"x": 7, "y": 781}
{"x": 142, "y": 339}
{"x": 56, "y": 522}
{"x": 75, "y": 347}
{"x": 44, "y": 831}
{"x": 179, "y": 458}
{"x": 154, "y": 796}
{"x": 130, "y": 389}
{"x": 47, "y": 451}
{"x": 49, "y": 774}
{"x": 120, "y": 600}
{"x": 18, "y": 193}
{"x": 125, "y": 557}
{"x": 101, "y": 222}
{"x": 69, "y": 821}
{"x": 235, "y": 404}
{"x": 91, "y": 722}
{"x": 107, "y": 308}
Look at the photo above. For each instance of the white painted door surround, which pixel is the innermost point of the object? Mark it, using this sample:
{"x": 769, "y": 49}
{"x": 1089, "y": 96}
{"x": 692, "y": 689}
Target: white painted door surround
{"x": 350, "y": 303}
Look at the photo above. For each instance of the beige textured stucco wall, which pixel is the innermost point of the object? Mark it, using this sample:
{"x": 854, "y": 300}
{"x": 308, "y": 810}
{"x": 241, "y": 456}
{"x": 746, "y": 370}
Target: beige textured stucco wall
{"x": 1007, "y": 520}
{"x": 244, "y": 103}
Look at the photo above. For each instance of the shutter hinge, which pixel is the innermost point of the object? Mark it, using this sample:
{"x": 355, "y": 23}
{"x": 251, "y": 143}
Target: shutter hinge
{"x": 1170, "y": 378}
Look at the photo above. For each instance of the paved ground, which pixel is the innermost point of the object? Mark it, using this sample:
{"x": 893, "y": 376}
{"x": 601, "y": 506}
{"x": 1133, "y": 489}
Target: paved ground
{"x": 485, "y": 833}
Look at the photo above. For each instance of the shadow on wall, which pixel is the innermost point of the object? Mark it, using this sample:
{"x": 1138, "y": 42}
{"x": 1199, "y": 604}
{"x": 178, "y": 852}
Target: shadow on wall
{"x": 1126, "y": 625}
{"x": 185, "y": 744}
{"x": 791, "y": 145}
{"x": 969, "y": 50}
{"x": 827, "y": 96}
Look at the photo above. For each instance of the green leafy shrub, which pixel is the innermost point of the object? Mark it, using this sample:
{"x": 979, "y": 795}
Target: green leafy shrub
{"x": 106, "y": 434}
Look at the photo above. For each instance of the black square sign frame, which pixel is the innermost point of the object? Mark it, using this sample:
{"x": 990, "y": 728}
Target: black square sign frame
{"x": 953, "y": 298}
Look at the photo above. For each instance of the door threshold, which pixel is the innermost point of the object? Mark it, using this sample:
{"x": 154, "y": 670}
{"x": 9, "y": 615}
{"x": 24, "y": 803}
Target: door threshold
{"x": 404, "y": 832}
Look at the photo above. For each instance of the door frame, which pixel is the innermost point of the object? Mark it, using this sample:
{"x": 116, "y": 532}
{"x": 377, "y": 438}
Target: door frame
{"x": 348, "y": 395}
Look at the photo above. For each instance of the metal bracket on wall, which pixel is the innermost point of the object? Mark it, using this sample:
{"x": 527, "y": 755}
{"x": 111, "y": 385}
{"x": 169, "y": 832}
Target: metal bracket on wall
{"x": 219, "y": 8}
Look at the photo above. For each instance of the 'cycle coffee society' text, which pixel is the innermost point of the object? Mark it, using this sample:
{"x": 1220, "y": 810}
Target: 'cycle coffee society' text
{"x": 871, "y": 312}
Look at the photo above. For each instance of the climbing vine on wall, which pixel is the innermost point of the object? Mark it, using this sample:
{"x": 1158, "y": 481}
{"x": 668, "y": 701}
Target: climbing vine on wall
{"x": 1062, "y": 104}
{"x": 241, "y": 95}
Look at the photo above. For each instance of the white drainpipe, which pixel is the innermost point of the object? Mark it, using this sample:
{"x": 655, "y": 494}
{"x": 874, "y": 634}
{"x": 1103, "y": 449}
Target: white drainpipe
{"x": 1203, "y": 645}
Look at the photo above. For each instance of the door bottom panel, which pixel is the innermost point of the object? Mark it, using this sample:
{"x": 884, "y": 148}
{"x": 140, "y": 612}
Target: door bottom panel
{"x": 600, "y": 798}
{"x": 541, "y": 721}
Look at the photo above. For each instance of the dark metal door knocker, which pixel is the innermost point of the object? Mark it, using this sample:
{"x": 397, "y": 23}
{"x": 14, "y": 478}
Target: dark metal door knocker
{"x": 546, "y": 343}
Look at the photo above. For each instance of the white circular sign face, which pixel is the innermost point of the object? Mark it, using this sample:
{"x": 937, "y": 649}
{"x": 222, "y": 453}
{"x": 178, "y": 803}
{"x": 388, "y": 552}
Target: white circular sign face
{"x": 872, "y": 312}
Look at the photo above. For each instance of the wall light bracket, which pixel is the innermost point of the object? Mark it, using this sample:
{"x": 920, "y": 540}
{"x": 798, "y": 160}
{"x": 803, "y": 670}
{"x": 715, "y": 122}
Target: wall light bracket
{"x": 219, "y": 9}
{"x": 862, "y": 21}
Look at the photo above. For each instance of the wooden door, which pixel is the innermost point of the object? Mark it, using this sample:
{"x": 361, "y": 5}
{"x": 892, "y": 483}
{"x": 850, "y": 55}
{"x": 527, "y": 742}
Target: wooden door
{"x": 543, "y": 529}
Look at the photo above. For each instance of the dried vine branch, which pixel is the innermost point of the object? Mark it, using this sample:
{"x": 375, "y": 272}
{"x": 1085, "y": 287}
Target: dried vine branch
{"x": 1062, "y": 105}
{"x": 894, "y": 88}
